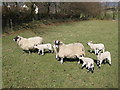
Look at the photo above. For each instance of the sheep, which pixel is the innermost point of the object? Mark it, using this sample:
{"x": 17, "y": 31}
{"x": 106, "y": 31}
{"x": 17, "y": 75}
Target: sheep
{"x": 73, "y": 50}
{"x": 25, "y": 7}
{"x": 96, "y": 47}
{"x": 42, "y": 47}
{"x": 88, "y": 62}
{"x": 103, "y": 56}
{"x": 36, "y": 9}
{"x": 27, "y": 44}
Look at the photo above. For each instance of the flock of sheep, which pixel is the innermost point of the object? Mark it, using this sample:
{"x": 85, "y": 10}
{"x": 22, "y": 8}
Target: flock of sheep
{"x": 73, "y": 50}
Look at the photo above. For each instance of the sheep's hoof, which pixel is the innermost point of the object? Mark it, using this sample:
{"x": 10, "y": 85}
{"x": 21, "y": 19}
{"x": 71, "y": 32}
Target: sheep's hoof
{"x": 98, "y": 66}
{"x": 52, "y": 51}
{"x": 61, "y": 62}
{"x": 92, "y": 71}
{"x": 58, "y": 59}
{"x": 110, "y": 64}
{"x": 49, "y": 51}
{"x": 87, "y": 71}
{"x": 82, "y": 67}
{"x": 78, "y": 63}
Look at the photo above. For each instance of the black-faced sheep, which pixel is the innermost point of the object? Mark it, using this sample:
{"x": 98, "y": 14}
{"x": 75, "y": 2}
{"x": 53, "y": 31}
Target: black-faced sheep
{"x": 27, "y": 44}
{"x": 73, "y": 50}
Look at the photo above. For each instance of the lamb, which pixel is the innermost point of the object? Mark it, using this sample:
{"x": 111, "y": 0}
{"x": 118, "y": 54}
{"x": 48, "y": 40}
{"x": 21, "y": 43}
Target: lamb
{"x": 103, "y": 56}
{"x": 27, "y": 44}
{"x": 96, "y": 47}
{"x": 42, "y": 47}
{"x": 88, "y": 62}
{"x": 73, "y": 50}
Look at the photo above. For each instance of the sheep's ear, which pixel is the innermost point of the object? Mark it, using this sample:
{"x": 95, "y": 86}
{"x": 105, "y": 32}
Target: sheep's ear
{"x": 54, "y": 41}
{"x": 18, "y": 36}
{"x": 83, "y": 55}
{"x": 61, "y": 42}
{"x": 100, "y": 50}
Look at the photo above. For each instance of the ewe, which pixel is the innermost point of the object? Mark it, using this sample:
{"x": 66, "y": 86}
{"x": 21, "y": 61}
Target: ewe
{"x": 73, "y": 50}
{"x": 27, "y": 44}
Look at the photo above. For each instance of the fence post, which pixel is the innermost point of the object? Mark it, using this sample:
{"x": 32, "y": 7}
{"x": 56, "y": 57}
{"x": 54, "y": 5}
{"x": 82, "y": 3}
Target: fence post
{"x": 11, "y": 25}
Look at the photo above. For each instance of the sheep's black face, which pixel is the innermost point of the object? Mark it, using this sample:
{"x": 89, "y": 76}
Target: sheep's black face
{"x": 98, "y": 62}
{"x": 98, "y": 52}
{"x": 16, "y": 38}
{"x": 57, "y": 43}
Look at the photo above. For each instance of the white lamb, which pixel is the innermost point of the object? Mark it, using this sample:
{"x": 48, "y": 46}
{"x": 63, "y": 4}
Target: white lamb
{"x": 96, "y": 47}
{"x": 73, "y": 50}
{"x": 27, "y": 44}
{"x": 89, "y": 62}
{"x": 42, "y": 47}
{"x": 103, "y": 56}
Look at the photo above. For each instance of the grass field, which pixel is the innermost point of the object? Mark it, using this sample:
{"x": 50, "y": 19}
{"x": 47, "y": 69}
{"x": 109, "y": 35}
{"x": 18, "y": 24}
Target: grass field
{"x": 36, "y": 71}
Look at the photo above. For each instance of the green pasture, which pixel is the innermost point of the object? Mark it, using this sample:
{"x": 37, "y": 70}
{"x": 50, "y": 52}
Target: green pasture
{"x": 21, "y": 70}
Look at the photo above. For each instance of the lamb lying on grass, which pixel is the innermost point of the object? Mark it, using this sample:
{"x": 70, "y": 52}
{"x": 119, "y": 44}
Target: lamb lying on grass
{"x": 42, "y": 47}
{"x": 96, "y": 47}
{"x": 88, "y": 62}
{"x": 73, "y": 50}
{"x": 103, "y": 56}
{"x": 27, "y": 44}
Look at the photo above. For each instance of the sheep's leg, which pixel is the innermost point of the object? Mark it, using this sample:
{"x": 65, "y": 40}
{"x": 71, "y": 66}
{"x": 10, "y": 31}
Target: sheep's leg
{"x": 50, "y": 51}
{"x": 92, "y": 68}
{"x": 23, "y": 51}
{"x": 86, "y": 66}
{"x": 100, "y": 63}
{"x": 95, "y": 51}
{"x": 109, "y": 60}
{"x": 39, "y": 52}
{"x": 42, "y": 51}
{"x": 91, "y": 50}
{"x": 29, "y": 52}
{"x": 61, "y": 61}
{"x": 57, "y": 57}
{"x": 83, "y": 65}
{"x": 79, "y": 62}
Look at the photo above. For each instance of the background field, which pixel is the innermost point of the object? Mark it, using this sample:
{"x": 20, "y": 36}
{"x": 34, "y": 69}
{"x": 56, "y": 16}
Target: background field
{"x": 36, "y": 71}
